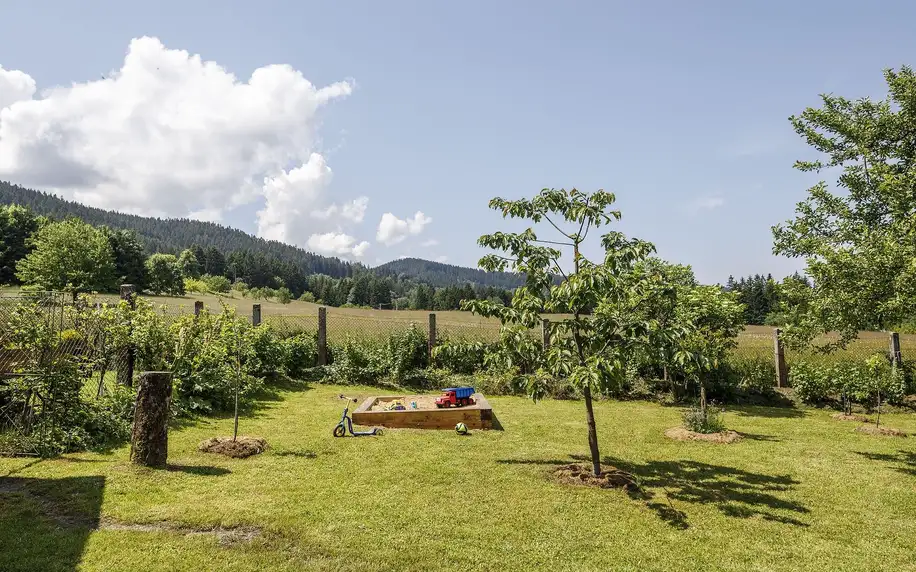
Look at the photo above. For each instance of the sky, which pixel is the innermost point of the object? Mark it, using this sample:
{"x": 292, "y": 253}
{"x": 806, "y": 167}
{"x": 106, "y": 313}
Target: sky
{"x": 377, "y": 130}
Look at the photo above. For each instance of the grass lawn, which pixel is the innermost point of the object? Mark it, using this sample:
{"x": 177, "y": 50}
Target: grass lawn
{"x": 800, "y": 492}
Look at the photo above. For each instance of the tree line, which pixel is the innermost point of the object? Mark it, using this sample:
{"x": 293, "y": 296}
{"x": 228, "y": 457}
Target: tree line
{"x": 73, "y": 256}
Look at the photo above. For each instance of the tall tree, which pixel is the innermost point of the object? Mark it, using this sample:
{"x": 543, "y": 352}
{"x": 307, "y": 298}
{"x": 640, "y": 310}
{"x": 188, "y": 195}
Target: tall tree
{"x": 164, "y": 274}
{"x": 188, "y": 263}
{"x": 69, "y": 256}
{"x": 216, "y": 262}
{"x": 590, "y": 350}
{"x": 859, "y": 242}
{"x": 17, "y": 224}
{"x": 129, "y": 259}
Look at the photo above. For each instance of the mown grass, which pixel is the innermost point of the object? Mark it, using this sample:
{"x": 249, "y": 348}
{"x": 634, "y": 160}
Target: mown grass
{"x": 800, "y": 492}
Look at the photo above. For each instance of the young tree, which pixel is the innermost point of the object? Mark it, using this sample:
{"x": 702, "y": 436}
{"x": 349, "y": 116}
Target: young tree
{"x": 164, "y": 274}
{"x": 591, "y": 350}
{"x": 859, "y": 242}
{"x": 188, "y": 263}
{"x": 70, "y": 256}
{"x": 710, "y": 320}
{"x": 17, "y": 225}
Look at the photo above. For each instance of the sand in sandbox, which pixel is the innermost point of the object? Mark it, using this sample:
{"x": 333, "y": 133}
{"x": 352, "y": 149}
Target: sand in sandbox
{"x": 422, "y": 401}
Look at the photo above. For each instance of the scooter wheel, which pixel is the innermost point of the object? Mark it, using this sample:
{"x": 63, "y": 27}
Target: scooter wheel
{"x": 340, "y": 431}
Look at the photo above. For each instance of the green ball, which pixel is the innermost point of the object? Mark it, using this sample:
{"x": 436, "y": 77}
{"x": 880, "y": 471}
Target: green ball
{"x": 461, "y": 429}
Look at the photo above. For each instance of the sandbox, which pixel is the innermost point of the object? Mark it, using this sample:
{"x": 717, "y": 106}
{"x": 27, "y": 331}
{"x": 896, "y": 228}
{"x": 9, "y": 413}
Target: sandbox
{"x": 372, "y": 412}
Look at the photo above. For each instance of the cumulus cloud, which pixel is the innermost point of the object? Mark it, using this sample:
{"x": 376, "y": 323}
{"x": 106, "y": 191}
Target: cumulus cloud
{"x": 334, "y": 243}
{"x": 392, "y": 230}
{"x": 170, "y": 134}
{"x": 15, "y": 86}
{"x": 705, "y": 204}
{"x": 354, "y": 210}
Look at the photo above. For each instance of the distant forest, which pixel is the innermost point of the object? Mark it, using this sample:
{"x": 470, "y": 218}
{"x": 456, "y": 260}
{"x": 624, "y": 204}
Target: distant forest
{"x": 272, "y": 265}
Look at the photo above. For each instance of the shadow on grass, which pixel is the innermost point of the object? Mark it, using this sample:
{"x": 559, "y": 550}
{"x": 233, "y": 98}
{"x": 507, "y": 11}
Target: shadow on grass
{"x": 758, "y": 437}
{"x": 45, "y": 523}
{"x": 903, "y": 461}
{"x": 201, "y": 470}
{"x": 767, "y": 412}
{"x": 295, "y": 453}
{"x": 734, "y": 492}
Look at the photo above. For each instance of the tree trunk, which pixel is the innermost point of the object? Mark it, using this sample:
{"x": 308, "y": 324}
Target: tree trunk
{"x": 703, "y": 402}
{"x": 149, "y": 442}
{"x": 592, "y": 431}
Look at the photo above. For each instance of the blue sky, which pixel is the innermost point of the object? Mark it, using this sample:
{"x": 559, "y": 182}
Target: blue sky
{"x": 680, "y": 108}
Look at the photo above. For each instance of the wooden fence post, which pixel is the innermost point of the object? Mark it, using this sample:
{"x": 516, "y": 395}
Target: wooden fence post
{"x": 256, "y": 314}
{"x": 895, "y": 356}
{"x": 198, "y": 308}
{"x": 782, "y": 372}
{"x": 322, "y": 336}
{"x": 125, "y": 375}
{"x": 545, "y": 333}
{"x": 149, "y": 439}
{"x": 432, "y": 333}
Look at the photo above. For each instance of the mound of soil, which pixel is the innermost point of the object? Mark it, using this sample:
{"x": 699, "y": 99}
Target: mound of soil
{"x": 241, "y": 448}
{"x": 610, "y": 478}
{"x": 683, "y": 434}
{"x": 844, "y": 417}
{"x": 884, "y": 431}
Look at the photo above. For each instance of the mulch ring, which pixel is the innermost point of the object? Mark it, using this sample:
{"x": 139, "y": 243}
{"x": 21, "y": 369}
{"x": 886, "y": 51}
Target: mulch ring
{"x": 844, "y": 417}
{"x": 883, "y": 431}
{"x": 683, "y": 434}
{"x": 241, "y": 448}
{"x": 610, "y": 477}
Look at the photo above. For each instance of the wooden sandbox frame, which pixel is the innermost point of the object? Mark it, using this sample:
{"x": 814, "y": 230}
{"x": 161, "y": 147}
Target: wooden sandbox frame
{"x": 477, "y": 416}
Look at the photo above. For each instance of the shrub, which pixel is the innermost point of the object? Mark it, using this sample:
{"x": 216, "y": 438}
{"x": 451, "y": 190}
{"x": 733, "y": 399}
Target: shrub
{"x": 219, "y": 284}
{"x": 300, "y": 353}
{"x": 206, "y": 361}
{"x": 460, "y": 357}
{"x": 700, "y": 420}
{"x": 811, "y": 381}
{"x": 283, "y": 295}
{"x": 307, "y": 297}
{"x": 265, "y": 353}
{"x": 406, "y": 351}
{"x": 356, "y": 362}
{"x": 195, "y": 285}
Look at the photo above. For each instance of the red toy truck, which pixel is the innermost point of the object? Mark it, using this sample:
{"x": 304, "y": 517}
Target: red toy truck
{"x": 455, "y": 397}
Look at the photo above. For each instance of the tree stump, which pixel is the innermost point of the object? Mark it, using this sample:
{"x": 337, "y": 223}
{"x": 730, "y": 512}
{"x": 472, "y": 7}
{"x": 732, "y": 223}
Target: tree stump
{"x": 149, "y": 440}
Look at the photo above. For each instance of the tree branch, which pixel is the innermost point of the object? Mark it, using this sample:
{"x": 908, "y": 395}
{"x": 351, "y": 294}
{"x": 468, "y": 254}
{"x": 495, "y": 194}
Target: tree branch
{"x": 558, "y": 228}
{"x": 554, "y": 242}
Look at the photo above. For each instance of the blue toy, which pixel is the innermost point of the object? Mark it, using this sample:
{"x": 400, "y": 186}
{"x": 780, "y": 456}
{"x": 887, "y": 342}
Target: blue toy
{"x": 456, "y": 397}
{"x": 347, "y": 424}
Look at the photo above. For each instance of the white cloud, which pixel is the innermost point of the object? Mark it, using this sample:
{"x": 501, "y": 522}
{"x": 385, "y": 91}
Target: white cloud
{"x": 392, "y": 230}
{"x": 354, "y": 210}
{"x": 15, "y": 86}
{"x": 705, "y": 204}
{"x": 442, "y": 258}
{"x": 334, "y": 243}
{"x": 430, "y": 242}
{"x": 169, "y": 134}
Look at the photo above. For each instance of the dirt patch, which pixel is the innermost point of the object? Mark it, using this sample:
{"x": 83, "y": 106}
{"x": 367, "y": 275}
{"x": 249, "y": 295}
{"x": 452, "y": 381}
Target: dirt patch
{"x": 241, "y": 448}
{"x": 610, "y": 477}
{"x": 226, "y": 536}
{"x": 844, "y": 417}
{"x": 683, "y": 434}
{"x": 422, "y": 401}
{"x": 883, "y": 431}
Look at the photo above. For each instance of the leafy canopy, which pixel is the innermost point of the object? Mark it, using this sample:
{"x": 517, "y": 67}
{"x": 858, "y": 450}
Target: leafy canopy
{"x": 69, "y": 256}
{"x": 859, "y": 241}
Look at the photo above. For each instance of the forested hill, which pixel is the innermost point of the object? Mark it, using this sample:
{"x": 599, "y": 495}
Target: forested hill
{"x": 175, "y": 235}
{"x": 440, "y": 275}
